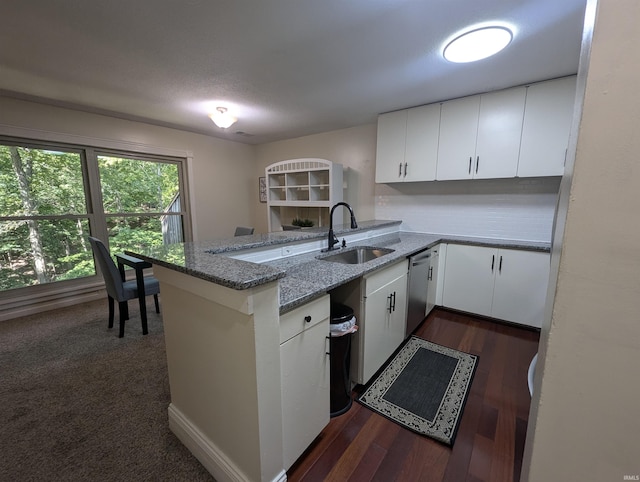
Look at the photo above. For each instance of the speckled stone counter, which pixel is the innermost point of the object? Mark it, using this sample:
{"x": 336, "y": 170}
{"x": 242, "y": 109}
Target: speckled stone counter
{"x": 207, "y": 260}
{"x": 303, "y": 277}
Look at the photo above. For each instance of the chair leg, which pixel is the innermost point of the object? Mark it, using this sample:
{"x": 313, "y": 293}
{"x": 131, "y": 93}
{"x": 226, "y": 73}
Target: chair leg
{"x": 155, "y": 299}
{"x": 110, "y": 311}
{"x": 123, "y": 316}
{"x": 143, "y": 315}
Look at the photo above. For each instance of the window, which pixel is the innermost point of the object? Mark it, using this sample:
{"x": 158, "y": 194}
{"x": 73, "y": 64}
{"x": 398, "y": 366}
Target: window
{"x": 42, "y": 229}
{"x": 147, "y": 211}
{"x": 53, "y": 196}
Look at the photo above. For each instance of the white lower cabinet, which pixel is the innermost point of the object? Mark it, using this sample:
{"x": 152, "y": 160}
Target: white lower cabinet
{"x": 469, "y": 278}
{"x": 520, "y": 291}
{"x": 304, "y": 368}
{"x": 379, "y": 302}
{"x": 507, "y": 284}
{"x": 385, "y": 317}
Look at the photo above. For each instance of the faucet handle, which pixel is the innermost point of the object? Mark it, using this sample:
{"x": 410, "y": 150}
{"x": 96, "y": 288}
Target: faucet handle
{"x": 344, "y": 243}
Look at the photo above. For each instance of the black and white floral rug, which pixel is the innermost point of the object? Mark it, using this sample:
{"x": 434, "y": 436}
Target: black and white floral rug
{"x": 424, "y": 388}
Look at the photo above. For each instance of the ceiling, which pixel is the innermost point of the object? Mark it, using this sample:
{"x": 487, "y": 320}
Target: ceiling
{"x": 285, "y": 68}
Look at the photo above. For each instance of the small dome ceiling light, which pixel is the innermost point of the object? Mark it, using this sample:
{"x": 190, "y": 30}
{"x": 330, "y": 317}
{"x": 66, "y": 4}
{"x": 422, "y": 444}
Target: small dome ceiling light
{"x": 477, "y": 44}
{"x": 222, "y": 118}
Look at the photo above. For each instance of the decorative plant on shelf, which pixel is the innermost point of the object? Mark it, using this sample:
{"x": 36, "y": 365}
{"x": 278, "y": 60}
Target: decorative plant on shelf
{"x": 303, "y": 223}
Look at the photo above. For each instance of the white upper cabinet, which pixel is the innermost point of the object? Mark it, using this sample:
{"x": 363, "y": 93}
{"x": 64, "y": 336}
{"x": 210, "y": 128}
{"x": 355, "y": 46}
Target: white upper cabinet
{"x": 407, "y": 145}
{"x": 499, "y": 131}
{"x": 547, "y": 123}
{"x": 392, "y": 134}
{"x": 480, "y": 135}
{"x": 421, "y": 149}
{"x": 458, "y": 132}
{"x": 516, "y": 132}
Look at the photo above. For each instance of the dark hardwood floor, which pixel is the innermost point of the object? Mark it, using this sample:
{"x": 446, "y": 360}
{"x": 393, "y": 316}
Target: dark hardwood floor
{"x": 364, "y": 446}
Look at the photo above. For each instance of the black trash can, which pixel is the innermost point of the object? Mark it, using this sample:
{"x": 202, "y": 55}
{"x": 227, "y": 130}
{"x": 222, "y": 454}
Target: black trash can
{"x": 340, "y": 346}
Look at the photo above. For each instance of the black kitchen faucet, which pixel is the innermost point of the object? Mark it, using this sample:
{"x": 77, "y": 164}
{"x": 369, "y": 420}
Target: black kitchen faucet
{"x": 332, "y": 240}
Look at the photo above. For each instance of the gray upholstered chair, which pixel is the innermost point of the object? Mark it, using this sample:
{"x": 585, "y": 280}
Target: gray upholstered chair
{"x": 120, "y": 290}
{"x": 242, "y": 231}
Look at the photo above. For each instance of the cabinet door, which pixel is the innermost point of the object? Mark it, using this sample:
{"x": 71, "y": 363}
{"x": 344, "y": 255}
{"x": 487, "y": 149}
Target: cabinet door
{"x": 421, "y": 149}
{"x": 392, "y": 132}
{"x": 468, "y": 278}
{"x": 547, "y": 122}
{"x": 377, "y": 312}
{"x": 398, "y": 318}
{"x": 304, "y": 367}
{"x": 520, "y": 291}
{"x": 384, "y": 319}
{"x": 457, "y": 140}
{"x": 384, "y": 316}
{"x": 499, "y": 132}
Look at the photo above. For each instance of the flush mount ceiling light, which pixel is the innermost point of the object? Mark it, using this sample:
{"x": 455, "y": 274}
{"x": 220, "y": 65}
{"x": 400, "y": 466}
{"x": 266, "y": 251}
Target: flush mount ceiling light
{"x": 221, "y": 118}
{"x": 477, "y": 44}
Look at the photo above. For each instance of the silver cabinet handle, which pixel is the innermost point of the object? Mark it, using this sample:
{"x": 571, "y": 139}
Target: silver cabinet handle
{"x": 500, "y": 265}
{"x": 477, "y": 163}
{"x": 493, "y": 261}
{"x": 405, "y": 169}
{"x": 400, "y": 170}
{"x": 469, "y": 165}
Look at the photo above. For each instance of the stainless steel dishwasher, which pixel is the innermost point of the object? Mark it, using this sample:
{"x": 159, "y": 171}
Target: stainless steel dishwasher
{"x": 417, "y": 291}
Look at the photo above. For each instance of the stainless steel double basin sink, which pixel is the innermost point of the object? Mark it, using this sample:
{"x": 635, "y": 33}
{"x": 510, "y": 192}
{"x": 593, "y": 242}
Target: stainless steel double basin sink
{"x": 356, "y": 255}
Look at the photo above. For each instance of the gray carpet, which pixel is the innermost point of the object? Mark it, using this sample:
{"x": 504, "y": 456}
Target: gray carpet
{"x": 78, "y": 403}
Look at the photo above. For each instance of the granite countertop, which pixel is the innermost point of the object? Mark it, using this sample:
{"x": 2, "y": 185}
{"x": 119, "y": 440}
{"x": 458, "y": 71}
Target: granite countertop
{"x": 303, "y": 277}
{"x": 209, "y": 260}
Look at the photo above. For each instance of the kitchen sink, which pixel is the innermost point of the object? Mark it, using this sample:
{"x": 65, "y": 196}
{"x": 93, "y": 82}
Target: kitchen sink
{"x": 357, "y": 255}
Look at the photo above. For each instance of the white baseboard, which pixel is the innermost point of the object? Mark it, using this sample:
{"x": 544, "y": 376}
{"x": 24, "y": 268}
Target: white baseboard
{"x": 36, "y": 307}
{"x": 209, "y": 455}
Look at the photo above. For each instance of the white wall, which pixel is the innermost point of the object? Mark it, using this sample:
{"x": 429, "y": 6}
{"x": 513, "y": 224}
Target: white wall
{"x": 520, "y": 209}
{"x": 585, "y": 417}
{"x": 221, "y": 169}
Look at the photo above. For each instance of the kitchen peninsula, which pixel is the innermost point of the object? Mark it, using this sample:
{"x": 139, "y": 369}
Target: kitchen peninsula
{"x": 229, "y": 308}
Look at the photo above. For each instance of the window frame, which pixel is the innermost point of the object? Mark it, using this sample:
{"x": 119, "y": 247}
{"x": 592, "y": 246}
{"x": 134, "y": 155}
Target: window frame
{"x": 95, "y": 215}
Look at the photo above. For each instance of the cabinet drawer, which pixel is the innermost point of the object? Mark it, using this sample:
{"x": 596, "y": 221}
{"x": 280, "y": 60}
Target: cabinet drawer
{"x": 378, "y": 279}
{"x": 296, "y": 322}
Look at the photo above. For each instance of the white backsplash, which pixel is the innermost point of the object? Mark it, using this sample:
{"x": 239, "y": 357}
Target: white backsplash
{"x": 520, "y": 209}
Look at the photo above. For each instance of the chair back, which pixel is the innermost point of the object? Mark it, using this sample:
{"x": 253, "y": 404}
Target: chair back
{"x": 242, "y": 231}
{"x": 112, "y": 279}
